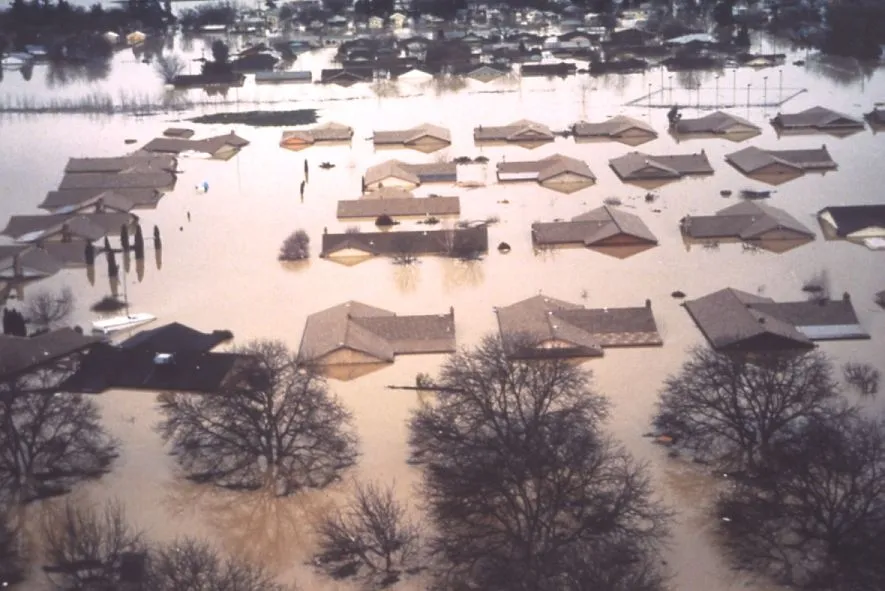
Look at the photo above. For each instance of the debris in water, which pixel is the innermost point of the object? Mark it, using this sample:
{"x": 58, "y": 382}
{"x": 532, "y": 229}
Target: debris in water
{"x": 503, "y": 248}
{"x": 129, "y": 141}
{"x": 678, "y": 294}
{"x": 725, "y": 192}
{"x": 504, "y": 201}
{"x": 650, "y": 197}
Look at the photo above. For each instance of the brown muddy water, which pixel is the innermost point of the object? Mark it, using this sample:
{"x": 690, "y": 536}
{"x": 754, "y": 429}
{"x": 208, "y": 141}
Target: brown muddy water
{"x": 219, "y": 270}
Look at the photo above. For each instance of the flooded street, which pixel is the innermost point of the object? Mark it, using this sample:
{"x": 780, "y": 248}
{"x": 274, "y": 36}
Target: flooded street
{"x": 220, "y": 270}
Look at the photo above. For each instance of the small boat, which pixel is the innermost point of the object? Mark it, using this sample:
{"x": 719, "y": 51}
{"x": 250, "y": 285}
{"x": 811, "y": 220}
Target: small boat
{"x": 122, "y": 322}
{"x": 16, "y": 60}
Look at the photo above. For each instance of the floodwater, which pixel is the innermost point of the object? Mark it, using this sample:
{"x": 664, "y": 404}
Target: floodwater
{"x": 219, "y": 270}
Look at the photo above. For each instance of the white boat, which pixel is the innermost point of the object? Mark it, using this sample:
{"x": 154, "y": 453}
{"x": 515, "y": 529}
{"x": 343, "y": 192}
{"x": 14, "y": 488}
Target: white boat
{"x": 122, "y": 322}
{"x": 15, "y": 60}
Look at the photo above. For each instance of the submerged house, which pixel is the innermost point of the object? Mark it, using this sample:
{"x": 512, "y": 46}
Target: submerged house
{"x": 65, "y": 228}
{"x": 854, "y": 222}
{"x": 876, "y": 117}
{"x": 103, "y": 181}
{"x": 483, "y": 72}
{"x": 394, "y": 173}
{"x": 121, "y": 200}
{"x": 543, "y": 327}
{"x": 557, "y": 172}
{"x": 751, "y": 222}
{"x": 734, "y": 320}
{"x": 395, "y": 202}
{"x": 26, "y": 262}
{"x": 220, "y": 147}
{"x": 601, "y": 228}
{"x": 652, "y": 171}
{"x": 327, "y": 133}
{"x": 424, "y": 138}
{"x": 817, "y": 119}
{"x": 779, "y": 166}
{"x": 621, "y": 128}
{"x": 716, "y": 124}
{"x": 20, "y": 355}
{"x": 137, "y": 162}
{"x": 525, "y": 133}
{"x": 346, "y": 76}
{"x": 351, "y": 248}
{"x": 355, "y": 333}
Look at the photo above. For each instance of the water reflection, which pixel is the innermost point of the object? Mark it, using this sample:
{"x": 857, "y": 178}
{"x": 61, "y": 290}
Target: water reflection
{"x": 462, "y": 273}
{"x": 139, "y": 269}
{"x": 296, "y": 266}
{"x": 90, "y": 274}
{"x": 406, "y": 276}
{"x": 257, "y": 525}
{"x": 158, "y": 258}
{"x": 841, "y": 70}
{"x": 61, "y": 74}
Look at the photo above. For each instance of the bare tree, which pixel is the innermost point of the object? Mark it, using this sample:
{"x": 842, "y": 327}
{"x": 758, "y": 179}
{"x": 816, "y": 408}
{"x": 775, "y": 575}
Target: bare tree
{"x": 819, "y": 522}
{"x": 46, "y": 309}
{"x": 48, "y": 441}
{"x": 296, "y": 247}
{"x": 737, "y": 409}
{"x": 274, "y": 423}
{"x": 168, "y": 66}
{"x": 403, "y": 251}
{"x": 85, "y": 546}
{"x": 863, "y": 377}
{"x": 198, "y": 566}
{"x": 12, "y": 559}
{"x": 371, "y": 538}
{"x": 524, "y": 490}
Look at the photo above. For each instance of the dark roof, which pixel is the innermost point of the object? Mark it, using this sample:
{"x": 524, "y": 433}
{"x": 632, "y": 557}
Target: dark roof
{"x": 851, "y": 218}
{"x": 134, "y": 163}
{"x": 736, "y": 320}
{"x": 69, "y": 254}
{"x": 178, "y": 132}
{"x": 209, "y": 145}
{"x": 134, "y": 180}
{"x": 107, "y": 367}
{"x": 327, "y": 132}
{"x": 175, "y": 338}
{"x": 613, "y": 127}
{"x": 20, "y": 354}
{"x": 747, "y": 220}
{"x": 819, "y": 118}
{"x": 639, "y": 166}
{"x": 405, "y": 206}
{"x": 33, "y": 263}
{"x": 416, "y": 242}
{"x": 595, "y": 226}
{"x": 374, "y": 332}
{"x": 560, "y": 69}
{"x": 547, "y": 168}
{"x": 541, "y": 326}
{"x": 72, "y": 198}
{"x": 753, "y": 159}
{"x": 91, "y": 226}
{"x": 717, "y": 122}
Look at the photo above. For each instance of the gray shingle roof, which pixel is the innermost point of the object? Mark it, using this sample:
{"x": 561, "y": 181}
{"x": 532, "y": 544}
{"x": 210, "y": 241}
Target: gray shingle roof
{"x": 327, "y": 132}
{"x": 135, "y": 162}
{"x": 408, "y": 136}
{"x": 612, "y": 127}
{"x": 640, "y": 166}
{"x": 105, "y": 181}
{"x": 375, "y": 332}
{"x": 746, "y": 220}
{"x": 416, "y": 242}
{"x": 518, "y": 131}
{"x": 752, "y": 159}
{"x": 91, "y": 226}
{"x": 32, "y": 262}
{"x": 20, "y": 354}
{"x": 408, "y": 206}
{"x": 72, "y": 198}
{"x": 593, "y": 227}
{"x": 718, "y": 122}
{"x": 412, "y": 173}
{"x": 548, "y": 168}
{"x": 817, "y": 118}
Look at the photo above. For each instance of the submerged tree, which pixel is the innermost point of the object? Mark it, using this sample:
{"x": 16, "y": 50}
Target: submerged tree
{"x": 168, "y": 66}
{"x": 48, "y": 440}
{"x": 46, "y": 309}
{"x": 296, "y": 247}
{"x": 371, "y": 538}
{"x": 198, "y": 566}
{"x": 524, "y": 489}
{"x": 86, "y": 546}
{"x": 273, "y": 423}
{"x": 819, "y": 523}
{"x": 738, "y": 409}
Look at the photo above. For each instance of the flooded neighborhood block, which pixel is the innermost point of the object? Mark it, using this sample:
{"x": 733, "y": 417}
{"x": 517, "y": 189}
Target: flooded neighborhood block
{"x": 626, "y": 130}
{"x": 598, "y": 228}
{"x": 355, "y": 333}
{"x": 543, "y": 327}
{"x": 734, "y": 320}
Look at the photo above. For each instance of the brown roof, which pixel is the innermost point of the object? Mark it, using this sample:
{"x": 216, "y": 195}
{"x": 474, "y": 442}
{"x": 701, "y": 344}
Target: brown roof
{"x": 408, "y": 206}
{"x": 639, "y": 166}
{"x": 718, "y": 122}
{"x": 752, "y": 159}
{"x": 612, "y": 127}
{"x": 74, "y": 198}
{"x": 409, "y": 136}
{"x": 548, "y": 168}
{"x": 518, "y": 131}
{"x": 209, "y": 145}
{"x": 91, "y": 226}
{"x": 375, "y": 332}
{"x": 541, "y": 326}
{"x": 412, "y": 173}
{"x": 327, "y": 132}
{"x": 736, "y": 320}
{"x": 818, "y": 118}
{"x": 132, "y": 163}
{"x": 416, "y": 242}
{"x": 20, "y": 354}
{"x": 593, "y": 227}
{"x": 105, "y": 181}
{"x": 179, "y": 132}
{"x": 746, "y": 220}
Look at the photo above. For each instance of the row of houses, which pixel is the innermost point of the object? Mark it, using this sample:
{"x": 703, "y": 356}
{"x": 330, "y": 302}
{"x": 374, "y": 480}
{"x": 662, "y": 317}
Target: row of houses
{"x": 97, "y": 198}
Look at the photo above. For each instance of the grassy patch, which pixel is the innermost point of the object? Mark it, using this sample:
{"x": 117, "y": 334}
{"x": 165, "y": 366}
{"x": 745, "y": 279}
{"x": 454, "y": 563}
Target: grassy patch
{"x": 262, "y": 118}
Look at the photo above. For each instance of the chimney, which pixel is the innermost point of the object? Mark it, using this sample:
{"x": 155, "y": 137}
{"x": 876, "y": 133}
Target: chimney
{"x": 648, "y": 304}
{"x": 846, "y": 297}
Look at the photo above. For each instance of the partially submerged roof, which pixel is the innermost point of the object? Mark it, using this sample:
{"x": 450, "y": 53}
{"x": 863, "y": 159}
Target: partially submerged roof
{"x": 414, "y": 174}
{"x": 138, "y": 162}
{"x": 414, "y": 134}
{"x": 753, "y": 159}
{"x": 547, "y": 168}
{"x": 818, "y": 118}
{"x": 404, "y": 206}
{"x": 640, "y": 166}
{"x": 541, "y": 326}
{"x": 26, "y": 262}
{"x": 18, "y": 355}
{"x": 179, "y": 132}
{"x": 735, "y": 320}
{"x": 175, "y": 338}
{"x": 374, "y": 332}
{"x": 613, "y": 127}
{"x": 414, "y": 242}
{"x": 90, "y": 226}
{"x": 160, "y": 180}
{"x": 718, "y": 122}
{"x": 594, "y": 228}
{"x": 210, "y": 145}
{"x": 747, "y": 220}
{"x": 518, "y": 131}
{"x": 327, "y": 132}
{"x": 845, "y": 220}
{"x": 72, "y": 199}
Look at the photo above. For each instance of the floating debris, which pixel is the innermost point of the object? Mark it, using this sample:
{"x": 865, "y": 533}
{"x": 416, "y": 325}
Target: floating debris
{"x": 650, "y": 197}
{"x": 725, "y": 192}
{"x": 384, "y": 220}
{"x": 503, "y": 248}
{"x": 751, "y": 194}
{"x": 612, "y": 201}
{"x": 678, "y": 294}
{"x": 129, "y": 141}
{"x": 327, "y": 165}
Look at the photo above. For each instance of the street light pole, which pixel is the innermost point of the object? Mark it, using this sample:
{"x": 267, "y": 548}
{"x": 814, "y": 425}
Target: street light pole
{"x": 764, "y": 93}
{"x": 716, "y": 100}
{"x": 780, "y": 85}
{"x": 748, "y": 94}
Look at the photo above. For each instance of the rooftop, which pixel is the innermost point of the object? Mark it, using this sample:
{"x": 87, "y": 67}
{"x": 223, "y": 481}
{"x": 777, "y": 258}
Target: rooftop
{"x": 640, "y": 166}
{"x": 595, "y": 227}
{"x": 613, "y": 127}
{"x": 21, "y": 354}
{"x": 74, "y": 198}
{"x": 138, "y": 162}
{"x": 817, "y": 118}
{"x": 90, "y": 226}
{"x": 747, "y": 220}
{"x": 413, "y": 242}
{"x": 412, "y": 135}
{"x": 848, "y": 219}
{"x": 399, "y": 206}
{"x": 159, "y": 180}
{"x": 545, "y": 168}
{"x": 518, "y": 131}
{"x": 753, "y": 159}
{"x": 717, "y": 123}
